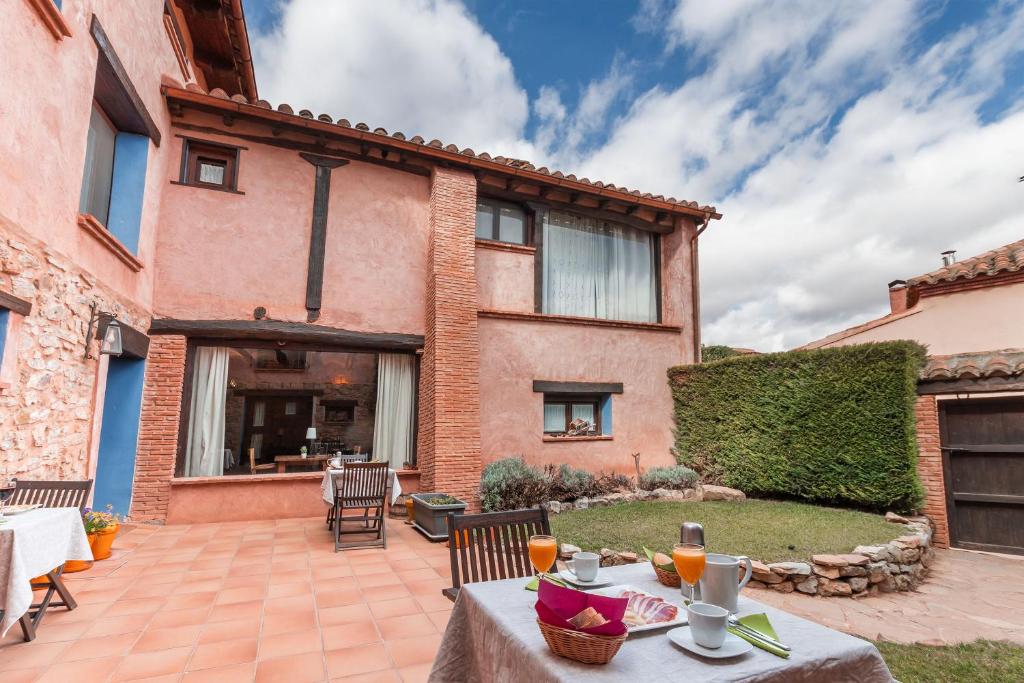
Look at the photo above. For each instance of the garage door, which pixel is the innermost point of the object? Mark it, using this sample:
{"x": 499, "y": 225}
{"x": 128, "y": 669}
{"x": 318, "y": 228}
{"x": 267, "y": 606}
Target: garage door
{"x": 983, "y": 457}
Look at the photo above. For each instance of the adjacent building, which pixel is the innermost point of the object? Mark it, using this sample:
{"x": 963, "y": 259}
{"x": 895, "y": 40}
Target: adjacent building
{"x": 970, "y": 408}
{"x": 281, "y": 279}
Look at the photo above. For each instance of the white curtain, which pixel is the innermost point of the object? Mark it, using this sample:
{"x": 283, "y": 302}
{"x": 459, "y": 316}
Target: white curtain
{"x": 396, "y": 392}
{"x": 204, "y": 455}
{"x": 598, "y": 269}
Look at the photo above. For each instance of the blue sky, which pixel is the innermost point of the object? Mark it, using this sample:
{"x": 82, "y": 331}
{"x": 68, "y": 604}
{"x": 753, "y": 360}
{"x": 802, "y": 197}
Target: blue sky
{"x": 817, "y": 128}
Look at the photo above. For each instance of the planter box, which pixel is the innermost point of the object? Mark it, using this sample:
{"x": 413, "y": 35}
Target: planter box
{"x": 431, "y": 519}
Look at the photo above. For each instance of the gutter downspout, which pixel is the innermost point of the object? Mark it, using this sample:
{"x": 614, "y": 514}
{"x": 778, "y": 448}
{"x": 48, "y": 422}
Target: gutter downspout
{"x": 695, "y": 286}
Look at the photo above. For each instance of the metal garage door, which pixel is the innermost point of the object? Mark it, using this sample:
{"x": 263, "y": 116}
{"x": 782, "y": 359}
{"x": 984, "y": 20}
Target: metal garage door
{"x": 983, "y": 458}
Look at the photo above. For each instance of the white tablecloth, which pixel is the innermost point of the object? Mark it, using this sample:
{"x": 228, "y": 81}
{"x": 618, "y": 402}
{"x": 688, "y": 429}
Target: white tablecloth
{"x": 32, "y": 544}
{"x": 327, "y": 486}
{"x": 493, "y": 636}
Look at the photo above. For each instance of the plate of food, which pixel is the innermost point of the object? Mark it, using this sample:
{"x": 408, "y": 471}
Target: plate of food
{"x": 645, "y": 611}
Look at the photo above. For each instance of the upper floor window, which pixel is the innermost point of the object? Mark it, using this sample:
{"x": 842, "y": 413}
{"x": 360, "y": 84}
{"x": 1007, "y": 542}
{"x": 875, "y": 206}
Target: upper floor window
{"x": 500, "y": 222}
{"x": 99, "y": 166}
{"x": 598, "y": 269}
{"x": 207, "y": 164}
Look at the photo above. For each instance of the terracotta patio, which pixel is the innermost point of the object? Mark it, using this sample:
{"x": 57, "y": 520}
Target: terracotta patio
{"x": 264, "y": 601}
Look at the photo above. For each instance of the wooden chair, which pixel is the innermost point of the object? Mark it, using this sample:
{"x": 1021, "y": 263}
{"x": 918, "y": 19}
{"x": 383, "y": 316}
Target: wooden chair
{"x": 492, "y": 545}
{"x": 254, "y": 468}
{"x": 52, "y": 494}
{"x": 360, "y": 486}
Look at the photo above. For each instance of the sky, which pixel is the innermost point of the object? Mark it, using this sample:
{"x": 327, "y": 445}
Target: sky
{"x": 847, "y": 144}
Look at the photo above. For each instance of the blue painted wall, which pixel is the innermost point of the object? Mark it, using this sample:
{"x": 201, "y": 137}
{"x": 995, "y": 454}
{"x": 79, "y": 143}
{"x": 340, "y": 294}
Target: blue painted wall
{"x": 4, "y": 314}
{"x": 606, "y": 415}
{"x": 128, "y": 188}
{"x": 119, "y": 434}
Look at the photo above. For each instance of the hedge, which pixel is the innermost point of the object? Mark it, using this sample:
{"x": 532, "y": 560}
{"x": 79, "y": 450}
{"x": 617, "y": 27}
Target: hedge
{"x": 713, "y": 352}
{"x": 831, "y": 425}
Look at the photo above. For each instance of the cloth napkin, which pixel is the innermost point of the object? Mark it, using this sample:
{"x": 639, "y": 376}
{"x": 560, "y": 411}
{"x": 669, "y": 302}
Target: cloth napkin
{"x": 760, "y": 623}
{"x": 534, "y": 584}
{"x": 557, "y": 605}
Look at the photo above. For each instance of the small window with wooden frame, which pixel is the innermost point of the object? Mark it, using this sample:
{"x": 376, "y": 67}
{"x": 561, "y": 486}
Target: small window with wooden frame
{"x": 498, "y": 221}
{"x": 572, "y": 415}
{"x": 209, "y": 164}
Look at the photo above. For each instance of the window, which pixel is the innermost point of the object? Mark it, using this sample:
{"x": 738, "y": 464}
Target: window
{"x": 206, "y": 164}
{"x": 176, "y": 38}
{"x": 99, "y": 166}
{"x": 598, "y": 269}
{"x": 500, "y": 222}
{"x": 572, "y": 415}
{"x": 4, "y": 314}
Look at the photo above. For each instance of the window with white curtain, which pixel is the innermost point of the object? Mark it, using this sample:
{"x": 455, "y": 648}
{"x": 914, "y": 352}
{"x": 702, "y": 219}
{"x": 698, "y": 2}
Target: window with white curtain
{"x": 598, "y": 269}
{"x": 561, "y": 413}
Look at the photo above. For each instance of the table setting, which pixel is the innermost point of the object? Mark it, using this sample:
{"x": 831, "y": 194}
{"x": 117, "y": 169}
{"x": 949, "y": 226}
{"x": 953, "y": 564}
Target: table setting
{"x": 676, "y": 617}
{"x": 336, "y": 465}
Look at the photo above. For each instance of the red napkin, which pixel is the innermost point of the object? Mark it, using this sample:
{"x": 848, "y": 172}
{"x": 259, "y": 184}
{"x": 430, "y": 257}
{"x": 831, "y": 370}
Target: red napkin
{"x": 557, "y": 605}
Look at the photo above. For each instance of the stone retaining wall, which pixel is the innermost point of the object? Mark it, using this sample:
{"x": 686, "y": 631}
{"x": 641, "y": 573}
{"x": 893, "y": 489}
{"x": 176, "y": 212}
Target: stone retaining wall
{"x": 702, "y": 492}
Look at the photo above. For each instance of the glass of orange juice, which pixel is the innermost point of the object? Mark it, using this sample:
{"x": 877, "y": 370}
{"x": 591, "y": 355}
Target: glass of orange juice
{"x": 543, "y": 551}
{"x": 689, "y": 559}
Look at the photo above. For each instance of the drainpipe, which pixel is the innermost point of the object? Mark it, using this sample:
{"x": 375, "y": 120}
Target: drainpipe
{"x": 695, "y": 286}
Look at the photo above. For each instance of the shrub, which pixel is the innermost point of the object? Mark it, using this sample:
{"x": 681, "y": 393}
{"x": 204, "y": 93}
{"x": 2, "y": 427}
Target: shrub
{"x": 713, "y": 352}
{"x": 676, "y": 477}
{"x": 830, "y": 425}
{"x": 568, "y": 483}
{"x": 510, "y": 484}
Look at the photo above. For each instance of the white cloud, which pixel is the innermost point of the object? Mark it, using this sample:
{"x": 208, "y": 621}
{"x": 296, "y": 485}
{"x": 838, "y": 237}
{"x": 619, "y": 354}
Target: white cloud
{"x": 423, "y": 67}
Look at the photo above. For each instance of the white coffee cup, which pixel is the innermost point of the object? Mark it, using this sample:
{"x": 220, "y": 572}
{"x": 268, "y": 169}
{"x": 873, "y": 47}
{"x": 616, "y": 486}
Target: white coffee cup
{"x": 584, "y": 566}
{"x": 707, "y": 624}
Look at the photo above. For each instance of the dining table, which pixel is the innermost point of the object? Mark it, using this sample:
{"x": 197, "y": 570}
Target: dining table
{"x": 37, "y": 543}
{"x": 318, "y": 461}
{"x": 492, "y": 635}
{"x": 327, "y": 485}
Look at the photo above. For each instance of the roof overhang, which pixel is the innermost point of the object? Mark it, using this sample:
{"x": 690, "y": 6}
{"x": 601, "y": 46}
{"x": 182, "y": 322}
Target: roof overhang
{"x": 496, "y": 174}
{"x": 221, "y": 44}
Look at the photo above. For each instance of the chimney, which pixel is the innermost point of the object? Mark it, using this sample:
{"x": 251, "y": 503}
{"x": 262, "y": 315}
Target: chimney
{"x": 949, "y": 257}
{"x": 898, "y": 296}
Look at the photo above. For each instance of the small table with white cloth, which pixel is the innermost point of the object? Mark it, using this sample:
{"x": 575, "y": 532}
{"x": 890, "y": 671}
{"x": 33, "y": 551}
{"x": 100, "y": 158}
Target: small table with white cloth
{"x": 327, "y": 485}
{"x": 37, "y": 543}
{"x": 493, "y": 636}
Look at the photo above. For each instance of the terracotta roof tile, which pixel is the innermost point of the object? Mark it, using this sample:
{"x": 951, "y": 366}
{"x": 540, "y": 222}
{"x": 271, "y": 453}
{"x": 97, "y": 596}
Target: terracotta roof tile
{"x": 1008, "y": 258}
{"x": 507, "y": 161}
{"x": 1003, "y": 363}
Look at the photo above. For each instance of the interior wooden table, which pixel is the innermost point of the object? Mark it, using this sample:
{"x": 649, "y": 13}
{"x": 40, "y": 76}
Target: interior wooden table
{"x": 283, "y": 461}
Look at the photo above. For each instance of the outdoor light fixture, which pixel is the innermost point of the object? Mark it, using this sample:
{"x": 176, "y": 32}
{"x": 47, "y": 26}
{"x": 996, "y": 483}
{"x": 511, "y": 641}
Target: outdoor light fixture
{"x": 311, "y": 437}
{"x": 112, "y": 343}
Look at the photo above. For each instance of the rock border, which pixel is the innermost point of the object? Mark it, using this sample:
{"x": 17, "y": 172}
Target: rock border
{"x": 701, "y": 492}
{"x": 897, "y": 566}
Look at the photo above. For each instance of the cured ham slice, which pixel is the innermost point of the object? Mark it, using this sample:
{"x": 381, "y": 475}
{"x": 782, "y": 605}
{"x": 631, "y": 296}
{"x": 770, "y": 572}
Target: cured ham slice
{"x": 643, "y": 609}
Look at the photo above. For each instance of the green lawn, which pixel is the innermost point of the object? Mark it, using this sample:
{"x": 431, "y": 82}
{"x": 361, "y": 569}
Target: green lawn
{"x": 765, "y": 530}
{"x": 982, "y": 661}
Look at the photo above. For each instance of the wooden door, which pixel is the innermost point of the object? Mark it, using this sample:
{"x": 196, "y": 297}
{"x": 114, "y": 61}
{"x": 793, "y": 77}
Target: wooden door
{"x": 983, "y": 458}
{"x": 276, "y": 424}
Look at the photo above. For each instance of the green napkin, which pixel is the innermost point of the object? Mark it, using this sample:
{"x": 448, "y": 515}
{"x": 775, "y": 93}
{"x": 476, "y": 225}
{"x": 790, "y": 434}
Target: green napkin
{"x": 760, "y": 623}
{"x": 535, "y": 583}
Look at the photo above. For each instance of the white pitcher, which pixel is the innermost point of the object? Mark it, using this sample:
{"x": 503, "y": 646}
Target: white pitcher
{"x": 721, "y": 584}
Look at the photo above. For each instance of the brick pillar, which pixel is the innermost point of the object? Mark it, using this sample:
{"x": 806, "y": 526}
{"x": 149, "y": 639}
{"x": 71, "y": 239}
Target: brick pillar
{"x": 448, "y": 449}
{"x": 158, "y": 428}
{"x": 929, "y": 466}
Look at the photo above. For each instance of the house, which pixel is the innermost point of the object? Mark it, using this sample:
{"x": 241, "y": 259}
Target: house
{"x": 970, "y": 407}
{"x": 282, "y": 280}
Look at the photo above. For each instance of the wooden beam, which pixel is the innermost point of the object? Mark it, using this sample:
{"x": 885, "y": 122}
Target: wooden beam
{"x": 318, "y": 237}
{"x": 115, "y": 91}
{"x": 614, "y": 216}
{"x": 281, "y": 331}
{"x": 14, "y": 303}
{"x": 551, "y": 387}
{"x": 134, "y": 343}
{"x": 970, "y": 385}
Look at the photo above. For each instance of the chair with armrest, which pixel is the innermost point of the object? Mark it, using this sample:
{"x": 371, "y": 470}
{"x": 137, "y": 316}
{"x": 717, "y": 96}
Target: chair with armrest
{"x": 264, "y": 467}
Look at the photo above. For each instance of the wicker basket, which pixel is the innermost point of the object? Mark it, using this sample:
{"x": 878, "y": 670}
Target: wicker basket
{"x": 581, "y": 647}
{"x": 670, "y": 579}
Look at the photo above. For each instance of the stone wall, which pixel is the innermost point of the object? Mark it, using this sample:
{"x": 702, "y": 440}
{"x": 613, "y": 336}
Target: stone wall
{"x": 48, "y": 389}
{"x": 898, "y": 565}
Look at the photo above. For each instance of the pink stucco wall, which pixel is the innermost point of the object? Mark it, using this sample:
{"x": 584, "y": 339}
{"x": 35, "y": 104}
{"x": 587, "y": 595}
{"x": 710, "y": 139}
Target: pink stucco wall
{"x": 961, "y": 322}
{"x": 220, "y": 254}
{"x": 504, "y": 280}
{"x": 46, "y": 92}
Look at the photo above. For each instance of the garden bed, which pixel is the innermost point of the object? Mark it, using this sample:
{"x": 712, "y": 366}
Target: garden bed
{"x": 811, "y": 549}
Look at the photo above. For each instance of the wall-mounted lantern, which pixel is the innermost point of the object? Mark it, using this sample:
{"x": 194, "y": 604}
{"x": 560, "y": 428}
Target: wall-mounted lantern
{"x": 112, "y": 343}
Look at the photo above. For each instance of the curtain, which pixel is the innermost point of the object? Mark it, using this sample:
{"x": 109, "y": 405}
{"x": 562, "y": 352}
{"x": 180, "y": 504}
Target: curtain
{"x": 396, "y": 392}
{"x": 598, "y": 269}
{"x": 205, "y": 448}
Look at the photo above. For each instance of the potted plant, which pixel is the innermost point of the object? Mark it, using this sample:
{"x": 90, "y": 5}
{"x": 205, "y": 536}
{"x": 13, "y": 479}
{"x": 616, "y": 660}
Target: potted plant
{"x": 101, "y": 528}
{"x": 430, "y": 513}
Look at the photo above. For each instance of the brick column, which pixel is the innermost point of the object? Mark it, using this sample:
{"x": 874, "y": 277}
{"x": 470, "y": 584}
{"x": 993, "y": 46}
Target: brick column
{"x": 929, "y": 466}
{"x": 448, "y": 449}
{"x": 158, "y": 428}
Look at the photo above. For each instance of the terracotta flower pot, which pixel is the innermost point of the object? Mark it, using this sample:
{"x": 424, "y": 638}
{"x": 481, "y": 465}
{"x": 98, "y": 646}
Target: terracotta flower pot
{"x": 409, "y": 509}
{"x": 100, "y": 541}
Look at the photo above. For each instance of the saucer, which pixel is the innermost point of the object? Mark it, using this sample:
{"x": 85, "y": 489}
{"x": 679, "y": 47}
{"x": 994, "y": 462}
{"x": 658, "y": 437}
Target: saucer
{"x": 733, "y": 646}
{"x": 567, "y": 575}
